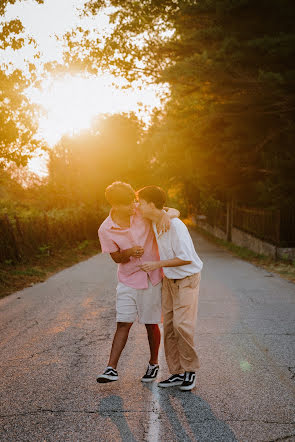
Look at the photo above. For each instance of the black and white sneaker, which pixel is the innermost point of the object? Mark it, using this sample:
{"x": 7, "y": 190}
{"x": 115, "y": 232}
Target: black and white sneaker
{"x": 151, "y": 373}
{"x": 173, "y": 381}
{"x": 189, "y": 381}
{"x": 109, "y": 375}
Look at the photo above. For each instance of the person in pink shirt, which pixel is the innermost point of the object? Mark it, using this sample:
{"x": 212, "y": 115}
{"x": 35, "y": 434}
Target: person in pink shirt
{"x": 130, "y": 240}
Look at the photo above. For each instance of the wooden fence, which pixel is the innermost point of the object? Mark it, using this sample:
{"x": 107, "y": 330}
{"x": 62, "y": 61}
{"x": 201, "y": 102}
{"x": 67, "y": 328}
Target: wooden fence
{"x": 263, "y": 224}
{"x": 217, "y": 216}
{"x": 23, "y": 237}
{"x": 287, "y": 227}
{"x": 274, "y": 226}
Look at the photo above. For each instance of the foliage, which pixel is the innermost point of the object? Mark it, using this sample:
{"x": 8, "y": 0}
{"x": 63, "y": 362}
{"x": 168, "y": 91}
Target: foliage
{"x": 16, "y": 276}
{"x": 81, "y": 167}
{"x": 18, "y": 117}
{"x": 5, "y": 3}
{"x": 27, "y": 233}
{"x": 229, "y": 125}
{"x": 18, "y": 122}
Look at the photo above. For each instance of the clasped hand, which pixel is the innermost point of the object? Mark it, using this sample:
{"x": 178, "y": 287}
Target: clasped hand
{"x": 149, "y": 266}
{"x": 137, "y": 251}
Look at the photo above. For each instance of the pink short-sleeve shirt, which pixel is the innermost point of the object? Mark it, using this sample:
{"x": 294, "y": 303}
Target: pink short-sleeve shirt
{"x": 114, "y": 238}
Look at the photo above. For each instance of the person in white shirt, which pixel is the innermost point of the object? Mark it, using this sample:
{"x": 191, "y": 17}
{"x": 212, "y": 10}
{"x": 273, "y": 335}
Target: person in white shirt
{"x": 180, "y": 290}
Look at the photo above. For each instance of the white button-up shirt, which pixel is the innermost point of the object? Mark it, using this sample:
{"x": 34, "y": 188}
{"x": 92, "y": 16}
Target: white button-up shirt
{"x": 177, "y": 243}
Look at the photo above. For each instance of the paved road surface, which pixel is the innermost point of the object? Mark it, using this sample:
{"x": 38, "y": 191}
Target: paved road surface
{"x": 55, "y": 338}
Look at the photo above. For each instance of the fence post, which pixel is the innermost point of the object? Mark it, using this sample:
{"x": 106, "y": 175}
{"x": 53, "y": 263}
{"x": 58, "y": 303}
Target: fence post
{"x": 278, "y": 231}
{"x": 229, "y": 219}
{"x": 19, "y": 236}
{"x": 46, "y": 229}
{"x": 15, "y": 248}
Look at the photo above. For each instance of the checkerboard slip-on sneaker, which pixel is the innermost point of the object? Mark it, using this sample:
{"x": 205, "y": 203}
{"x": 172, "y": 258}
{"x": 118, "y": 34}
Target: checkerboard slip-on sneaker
{"x": 109, "y": 375}
{"x": 189, "y": 381}
{"x": 151, "y": 373}
{"x": 174, "y": 381}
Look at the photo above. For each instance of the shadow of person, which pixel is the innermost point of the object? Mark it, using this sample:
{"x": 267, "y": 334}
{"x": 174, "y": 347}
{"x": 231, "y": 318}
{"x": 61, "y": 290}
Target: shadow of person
{"x": 199, "y": 421}
{"x": 113, "y": 407}
{"x": 190, "y": 416}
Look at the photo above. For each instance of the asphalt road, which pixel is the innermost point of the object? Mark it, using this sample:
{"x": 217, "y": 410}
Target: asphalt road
{"x": 56, "y": 336}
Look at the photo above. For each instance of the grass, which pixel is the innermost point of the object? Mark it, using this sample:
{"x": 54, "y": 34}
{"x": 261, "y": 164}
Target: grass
{"x": 14, "y": 277}
{"x": 284, "y": 267}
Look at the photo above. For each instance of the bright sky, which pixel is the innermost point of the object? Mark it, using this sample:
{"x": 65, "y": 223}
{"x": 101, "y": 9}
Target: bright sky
{"x": 72, "y": 102}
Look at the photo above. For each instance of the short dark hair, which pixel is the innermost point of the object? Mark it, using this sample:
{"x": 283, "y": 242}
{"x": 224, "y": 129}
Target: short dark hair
{"x": 153, "y": 194}
{"x": 119, "y": 193}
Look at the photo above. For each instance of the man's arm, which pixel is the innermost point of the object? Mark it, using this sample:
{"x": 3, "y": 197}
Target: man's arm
{"x": 171, "y": 212}
{"x": 153, "y": 265}
{"x": 180, "y": 246}
{"x": 164, "y": 223}
{"x": 123, "y": 256}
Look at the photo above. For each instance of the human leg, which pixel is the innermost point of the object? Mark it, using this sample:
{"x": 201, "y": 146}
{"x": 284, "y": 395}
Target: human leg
{"x": 184, "y": 321}
{"x": 126, "y": 315}
{"x": 119, "y": 342}
{"x": 170, "y": 339}
{"x": 148, "y": 304}
{"x": 154, "y": 338}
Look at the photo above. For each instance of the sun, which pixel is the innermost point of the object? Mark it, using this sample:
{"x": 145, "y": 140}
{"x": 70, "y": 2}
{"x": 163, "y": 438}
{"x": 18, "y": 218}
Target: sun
{"x": 71, "y": 103}
{"x": 69, "y": 107}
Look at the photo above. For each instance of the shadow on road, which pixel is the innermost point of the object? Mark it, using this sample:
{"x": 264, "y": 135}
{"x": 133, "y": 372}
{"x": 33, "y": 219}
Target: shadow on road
{"x": 113, "y": 407}
{"x": 190, "y": 416}
{"x": 201, "y": 423}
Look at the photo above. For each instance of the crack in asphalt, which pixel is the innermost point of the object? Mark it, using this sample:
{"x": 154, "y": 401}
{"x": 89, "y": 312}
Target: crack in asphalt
{"x": 110, "y": 412}
{"x": 56, "y": 348}
{"x": 21, "y": 333}
{"x": 102, "y": 413}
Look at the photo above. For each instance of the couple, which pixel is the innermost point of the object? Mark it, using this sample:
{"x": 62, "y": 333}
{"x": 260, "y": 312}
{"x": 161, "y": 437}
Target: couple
{"x": 146, "y": 239}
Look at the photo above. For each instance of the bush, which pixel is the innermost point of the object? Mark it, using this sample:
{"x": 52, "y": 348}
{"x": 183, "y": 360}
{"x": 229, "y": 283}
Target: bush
{"x": 25, "y": 233}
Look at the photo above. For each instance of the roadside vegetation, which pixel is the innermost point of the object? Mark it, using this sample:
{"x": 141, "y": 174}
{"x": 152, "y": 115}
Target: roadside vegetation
{"x": 35, "y": 244}
{"x": 16, "y": 276}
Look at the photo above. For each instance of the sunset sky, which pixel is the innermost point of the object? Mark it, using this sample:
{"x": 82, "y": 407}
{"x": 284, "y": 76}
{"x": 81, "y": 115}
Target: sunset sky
{"x": 70, "y": 103}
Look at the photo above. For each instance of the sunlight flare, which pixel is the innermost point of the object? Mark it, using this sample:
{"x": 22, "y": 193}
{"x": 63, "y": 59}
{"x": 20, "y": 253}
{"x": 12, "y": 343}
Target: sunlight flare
{"x": 71, "y": 103}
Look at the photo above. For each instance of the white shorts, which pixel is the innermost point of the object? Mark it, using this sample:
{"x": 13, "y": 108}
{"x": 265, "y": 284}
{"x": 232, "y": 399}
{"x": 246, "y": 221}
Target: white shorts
{"x": 144, "y": 303}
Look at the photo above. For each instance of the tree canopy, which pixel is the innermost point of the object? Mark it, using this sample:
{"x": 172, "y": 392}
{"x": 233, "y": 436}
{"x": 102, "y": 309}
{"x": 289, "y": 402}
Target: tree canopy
{"x": 80, "y": 167}
{"x": 227, "y": 128}
{"x": 229, "y": 124}
{"x": 18, "y": 117}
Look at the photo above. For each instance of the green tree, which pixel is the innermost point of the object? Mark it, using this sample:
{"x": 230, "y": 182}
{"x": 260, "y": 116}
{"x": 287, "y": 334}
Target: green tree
{"x": 80, "y": 167}
{"x": 18, "y": 120}
{"x": 18, "y": 117}
{"x": 229, "y": 125}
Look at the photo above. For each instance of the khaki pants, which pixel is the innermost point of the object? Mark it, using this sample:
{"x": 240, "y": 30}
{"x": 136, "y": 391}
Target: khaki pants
{"x": 180, "y": 308}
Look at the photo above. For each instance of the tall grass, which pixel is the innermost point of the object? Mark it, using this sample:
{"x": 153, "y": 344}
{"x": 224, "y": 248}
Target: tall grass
{"x": 26, "y": 233}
